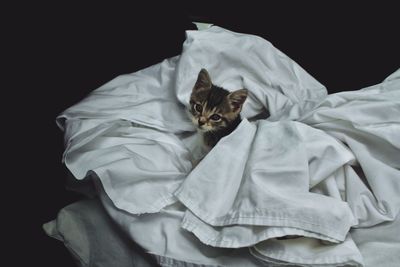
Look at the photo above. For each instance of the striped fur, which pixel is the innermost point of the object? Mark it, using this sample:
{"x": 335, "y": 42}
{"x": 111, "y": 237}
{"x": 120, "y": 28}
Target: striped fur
{"x": 214, "y": 110}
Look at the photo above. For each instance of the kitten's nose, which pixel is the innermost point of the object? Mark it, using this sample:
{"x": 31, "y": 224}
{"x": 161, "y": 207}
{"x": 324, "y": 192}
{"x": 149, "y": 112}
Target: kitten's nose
{"x": 202, "y": 120}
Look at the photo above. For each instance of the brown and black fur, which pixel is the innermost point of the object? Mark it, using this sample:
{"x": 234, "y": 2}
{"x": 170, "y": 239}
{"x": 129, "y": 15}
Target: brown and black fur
{"x": 214, "y": 110}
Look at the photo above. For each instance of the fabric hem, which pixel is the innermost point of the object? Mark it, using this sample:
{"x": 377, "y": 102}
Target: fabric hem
{"x": 335, "y": 261}
{"x": 207, "y": 237}
{"x": 266, "y": 220}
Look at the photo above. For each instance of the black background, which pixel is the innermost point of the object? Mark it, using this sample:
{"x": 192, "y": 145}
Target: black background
{"x": 55, "y": 54}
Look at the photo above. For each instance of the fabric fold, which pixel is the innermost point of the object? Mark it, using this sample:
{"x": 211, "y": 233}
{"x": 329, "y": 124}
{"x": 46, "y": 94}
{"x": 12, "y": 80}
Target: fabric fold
{"x": 368, "y": 122}
{"x": 260, "y": 175}
{"x": 319, "y": 167}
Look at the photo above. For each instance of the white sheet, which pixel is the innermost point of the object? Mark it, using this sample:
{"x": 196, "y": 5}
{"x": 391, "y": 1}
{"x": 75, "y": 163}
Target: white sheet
{"x": 299, "y": 172}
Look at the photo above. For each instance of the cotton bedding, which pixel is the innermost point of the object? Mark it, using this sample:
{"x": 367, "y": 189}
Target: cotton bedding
{"x": 324, "y": 168}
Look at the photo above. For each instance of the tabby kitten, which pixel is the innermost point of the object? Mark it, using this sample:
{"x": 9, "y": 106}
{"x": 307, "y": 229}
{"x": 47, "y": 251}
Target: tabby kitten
{"x": 214, "y": 110}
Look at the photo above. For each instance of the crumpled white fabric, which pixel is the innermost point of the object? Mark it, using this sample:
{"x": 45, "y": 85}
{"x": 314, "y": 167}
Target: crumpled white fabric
{"x": 265, "y": 181}
{"x": 318, "y": 167}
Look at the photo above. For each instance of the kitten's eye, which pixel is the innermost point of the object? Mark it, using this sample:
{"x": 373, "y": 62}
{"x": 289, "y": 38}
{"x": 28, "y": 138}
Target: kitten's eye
{"x": 198, "y": 107}
{"x": 215, "y": 117}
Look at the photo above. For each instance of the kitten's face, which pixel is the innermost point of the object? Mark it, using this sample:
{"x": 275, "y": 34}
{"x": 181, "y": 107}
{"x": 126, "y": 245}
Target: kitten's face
{"x": 213, "y": 108}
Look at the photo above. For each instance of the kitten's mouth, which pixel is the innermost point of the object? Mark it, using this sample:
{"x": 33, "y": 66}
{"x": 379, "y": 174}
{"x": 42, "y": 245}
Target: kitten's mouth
{"x": 201, "y": 129}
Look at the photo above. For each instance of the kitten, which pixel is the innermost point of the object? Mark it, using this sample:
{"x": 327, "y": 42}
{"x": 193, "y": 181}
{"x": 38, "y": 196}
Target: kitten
{"x": 214, "y": 110}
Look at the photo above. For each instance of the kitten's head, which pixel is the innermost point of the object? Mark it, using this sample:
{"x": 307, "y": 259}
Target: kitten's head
{"x": 213, "y": 108}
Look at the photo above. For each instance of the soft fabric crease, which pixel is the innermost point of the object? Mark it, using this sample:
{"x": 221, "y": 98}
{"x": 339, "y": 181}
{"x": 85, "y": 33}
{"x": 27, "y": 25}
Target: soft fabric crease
{"x": 322, "y": 171}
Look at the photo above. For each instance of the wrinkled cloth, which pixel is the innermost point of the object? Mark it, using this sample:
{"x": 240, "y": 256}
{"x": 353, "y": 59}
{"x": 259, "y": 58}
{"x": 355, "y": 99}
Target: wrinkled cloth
{"x": 318, "y": 167}
{"x": 94, "y": 239}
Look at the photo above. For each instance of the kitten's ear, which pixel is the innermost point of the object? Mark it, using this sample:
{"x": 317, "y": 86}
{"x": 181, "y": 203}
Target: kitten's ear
{"x": 203, "y": 81}
{"x": 236, "y": 99}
